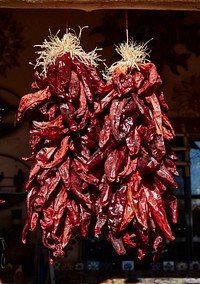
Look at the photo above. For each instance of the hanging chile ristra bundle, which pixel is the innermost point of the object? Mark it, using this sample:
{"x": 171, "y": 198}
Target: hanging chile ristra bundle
{"x": 101, "y": 159}
{"x": 63, "y": 135}
{"x": 134, "y": 157}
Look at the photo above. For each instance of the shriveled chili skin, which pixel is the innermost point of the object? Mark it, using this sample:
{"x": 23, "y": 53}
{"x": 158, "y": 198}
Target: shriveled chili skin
{"x": 35, "y": 142}
{"x": 46, "y": 223}
{"x": 171, "y": 166}
{"x": 74, "y": 85}
{"x": 49, "y": 110}
{"x": 43, "y": 194}
{"x": 105, "y": 132}
{"x": 117, "y": 244}
{"x": 153, "y": 80}
{"x": 143, "y": 235}
{"x": 124, "y": 82}
{"x": 105, "y": 191}
{"x": 166, "y": 176}
{"x": 115, "y": 117}
{"x": 83, "y": 74}
{"x": 64, "y": 171}
{"x": 55, "y": 87}
{"x": 146, "y": 163}
{"x": 41, "y": 158}
{"x": 127, "y": 240}
{"x": 67, "y": 110}
{"x": 159, "y": 245}
{"x": 85, "y": 217}
{"x": 101, "y": 216}
{"x": 76, "y": 188}
{"x": 116, "y": 209}
{"x": 172, "y": 201}
{"x": 85, "y": 119}
{"x": 32, "y": 100}
{"x": 53, "y": 134}
{"x": 102, "y": 104}
{"x": 162, "y": 102}
{"x": 162, "y": 187}
{"x": 133, "y": 142}
{"x": 59, "y": 154}
{"x": 129, "y": 212}
{"x": 59, "y": 208}
{"x": 99, "y": 156}
{"x": 64, "y": 69}
{"x": 156, "y": 205}
{"x": 73, "y": 213}
{"x": 97, "y": 82}
{"x": 67, "y": 232}
{"x": 40, "y": 81}
{"x": 54, "y": 123}
{"x": 130, "y": 166}
{"x": 82, "y": 171}
{"x": 29, "y": 207}
{"x": 82, "y": 103}
{"x": 114, "y": 163}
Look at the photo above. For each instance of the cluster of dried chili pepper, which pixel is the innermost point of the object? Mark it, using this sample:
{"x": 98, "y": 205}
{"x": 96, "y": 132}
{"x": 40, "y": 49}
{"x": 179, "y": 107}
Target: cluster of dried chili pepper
{"x": 63, "y": 135}
{"x": 101, "y": 159}
{"x": 134, "y": 156}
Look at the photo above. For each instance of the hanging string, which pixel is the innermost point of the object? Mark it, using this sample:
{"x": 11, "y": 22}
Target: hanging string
{"x": 67, "y": 22}
{"x": 126, "y": 19}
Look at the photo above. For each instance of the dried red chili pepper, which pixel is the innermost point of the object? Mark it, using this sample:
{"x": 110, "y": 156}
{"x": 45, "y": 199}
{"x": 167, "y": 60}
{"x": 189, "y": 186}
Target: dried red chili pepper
{"x": 32, "y": 100}
{"x": 64, "y": 69}
{"x": 116, "y": 209}
{"x": 114, "y": 163}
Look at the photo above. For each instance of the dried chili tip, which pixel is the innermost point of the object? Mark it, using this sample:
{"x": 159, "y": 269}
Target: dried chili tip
{"x": 51, "y": 260}
{"x": 117, "y": 243}
{"x": 57, "y": 122}
{"x": 141, "y": 252}
{"x": 59, "y": 155}
{"x": 2, "y": 201}
{"x": 32, "y": 100}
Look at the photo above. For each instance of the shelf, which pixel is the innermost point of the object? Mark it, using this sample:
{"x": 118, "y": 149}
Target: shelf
{"x": 89, "y": 5}
{"x": 183, "y": 239}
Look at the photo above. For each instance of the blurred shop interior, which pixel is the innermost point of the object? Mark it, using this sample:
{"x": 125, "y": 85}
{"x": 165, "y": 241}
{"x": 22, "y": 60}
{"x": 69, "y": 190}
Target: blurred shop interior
{"x": 174, "y": 44}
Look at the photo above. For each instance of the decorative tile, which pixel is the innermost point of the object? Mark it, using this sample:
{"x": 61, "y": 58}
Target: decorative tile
{"x": 92, "y": 265}
{"x": 79, "y": 266}
{"x": 155, "y": 266}
{"x": 195, "y": 265}
{"x": 106, "y": 266}
{"x": 168, "y": 266}
{"x": 181, "y": 266}
{"x": 127, "y": 265}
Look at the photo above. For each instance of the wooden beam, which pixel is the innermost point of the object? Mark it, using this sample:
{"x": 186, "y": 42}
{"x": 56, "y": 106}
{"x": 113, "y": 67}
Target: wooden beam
{"x": 89, "y": 5}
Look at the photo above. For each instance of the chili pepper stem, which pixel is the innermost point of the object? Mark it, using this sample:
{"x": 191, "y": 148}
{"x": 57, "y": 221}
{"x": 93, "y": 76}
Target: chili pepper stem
{"x": 132, "y": 54}
{"x": 55, "y": 47}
